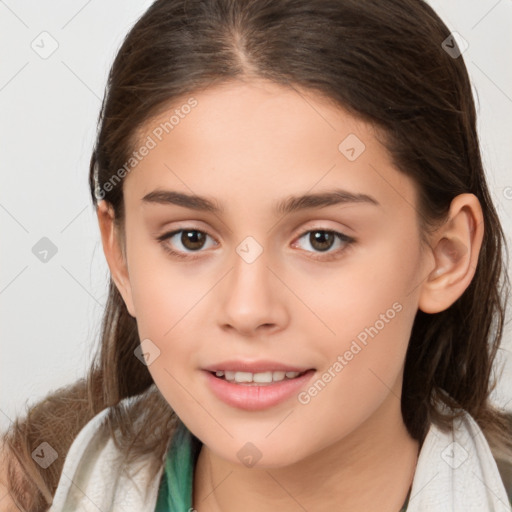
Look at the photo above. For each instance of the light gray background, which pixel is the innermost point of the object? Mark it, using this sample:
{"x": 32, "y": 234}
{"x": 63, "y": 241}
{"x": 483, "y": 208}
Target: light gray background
{"x": 50, "y": 312}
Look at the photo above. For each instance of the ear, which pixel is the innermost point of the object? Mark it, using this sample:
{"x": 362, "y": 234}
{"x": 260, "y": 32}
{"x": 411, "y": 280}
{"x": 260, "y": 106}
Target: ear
{"x": 456, "y": 246}
{"x": 114, "y": 253}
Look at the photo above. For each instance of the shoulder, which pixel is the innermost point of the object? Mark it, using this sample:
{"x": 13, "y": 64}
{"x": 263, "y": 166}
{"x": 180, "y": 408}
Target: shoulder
{"x": 495, "y": 460}
{"x": 85, "y": 456}
{"x": 501, "y": 456}
{"x": 456, "y": 459}
{"x": 93, "y": 476}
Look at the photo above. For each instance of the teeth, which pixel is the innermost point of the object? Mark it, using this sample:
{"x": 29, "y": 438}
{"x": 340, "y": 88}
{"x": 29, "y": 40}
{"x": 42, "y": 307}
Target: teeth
{"x": 243, "y": 377}
{"x": 262, "y": 377}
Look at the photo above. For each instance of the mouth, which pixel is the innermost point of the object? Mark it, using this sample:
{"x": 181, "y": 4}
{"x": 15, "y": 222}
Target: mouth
{"x": 257, "y": 379}
{"x": 258, "y": 390}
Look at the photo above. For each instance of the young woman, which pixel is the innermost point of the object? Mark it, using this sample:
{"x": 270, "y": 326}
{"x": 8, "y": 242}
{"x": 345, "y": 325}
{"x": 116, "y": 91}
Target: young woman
{"x": 307, "y": 280}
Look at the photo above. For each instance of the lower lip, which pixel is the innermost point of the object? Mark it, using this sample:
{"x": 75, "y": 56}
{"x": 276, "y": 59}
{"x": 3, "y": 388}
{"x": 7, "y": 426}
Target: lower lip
{"x": 256, "y": 397}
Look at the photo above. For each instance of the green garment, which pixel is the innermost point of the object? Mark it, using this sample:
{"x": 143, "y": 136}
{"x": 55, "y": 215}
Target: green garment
{"x": 175, "y": 492}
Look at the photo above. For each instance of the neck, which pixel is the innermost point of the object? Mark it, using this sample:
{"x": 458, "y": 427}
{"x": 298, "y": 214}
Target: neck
{"x": 371, "y": 469}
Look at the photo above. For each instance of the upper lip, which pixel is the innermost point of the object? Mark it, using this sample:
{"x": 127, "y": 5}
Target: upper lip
{"x": 254, "y": 366}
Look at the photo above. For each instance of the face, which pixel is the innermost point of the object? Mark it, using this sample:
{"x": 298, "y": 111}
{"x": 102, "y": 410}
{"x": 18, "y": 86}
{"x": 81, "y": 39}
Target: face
{"x": 330, "y": 288}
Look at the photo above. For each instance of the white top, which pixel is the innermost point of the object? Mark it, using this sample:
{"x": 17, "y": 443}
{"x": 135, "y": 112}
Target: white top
{"x": 92, "y": 479}
{"x": 456, "y": 472}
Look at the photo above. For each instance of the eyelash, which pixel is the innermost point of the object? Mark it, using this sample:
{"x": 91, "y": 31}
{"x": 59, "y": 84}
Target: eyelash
{"x": 331, "y": 256}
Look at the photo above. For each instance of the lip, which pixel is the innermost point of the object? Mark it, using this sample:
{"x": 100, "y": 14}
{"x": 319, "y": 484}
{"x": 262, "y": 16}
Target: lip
{"x": 254, "y": 366}
{"x": 256, "y": 397}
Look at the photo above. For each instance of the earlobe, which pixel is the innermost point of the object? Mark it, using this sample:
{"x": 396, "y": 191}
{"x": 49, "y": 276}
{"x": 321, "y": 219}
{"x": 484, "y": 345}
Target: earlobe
{"x": 455, "y": 247}
{"x": 114, "y": 255}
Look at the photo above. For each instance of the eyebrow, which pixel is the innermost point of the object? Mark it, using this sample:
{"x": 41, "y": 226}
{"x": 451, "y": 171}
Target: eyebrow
{"x": 285, "y": 206}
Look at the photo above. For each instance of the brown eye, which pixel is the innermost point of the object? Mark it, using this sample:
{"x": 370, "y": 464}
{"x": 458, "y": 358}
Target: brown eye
{"x": 192, "y": 239}
{"x": 321, "y": 240}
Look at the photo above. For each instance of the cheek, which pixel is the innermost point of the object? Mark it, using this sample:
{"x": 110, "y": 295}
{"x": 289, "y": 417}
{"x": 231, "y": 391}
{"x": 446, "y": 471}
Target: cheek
{"x": 168, "y": 308}
{"x": 361, "y": 370}
{"x": 365, "y": 289}
{"x": 164, "y": 291}
{"x": 370, "y": 314}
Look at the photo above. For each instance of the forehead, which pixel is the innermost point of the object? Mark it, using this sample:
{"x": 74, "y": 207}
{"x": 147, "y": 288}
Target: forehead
{"x": 261, "y": 139}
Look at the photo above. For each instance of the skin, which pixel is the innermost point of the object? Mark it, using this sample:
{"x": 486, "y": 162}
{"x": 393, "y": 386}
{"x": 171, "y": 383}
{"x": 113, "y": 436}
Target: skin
{"x": 248, "y": 145}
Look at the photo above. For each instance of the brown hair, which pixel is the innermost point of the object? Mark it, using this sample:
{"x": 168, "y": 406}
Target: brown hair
{"x": 383, "y": 61}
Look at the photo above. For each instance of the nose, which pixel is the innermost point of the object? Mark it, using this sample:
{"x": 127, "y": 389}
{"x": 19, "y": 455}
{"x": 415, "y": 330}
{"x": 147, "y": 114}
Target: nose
{"x": 253, "y": 297}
